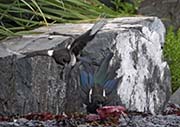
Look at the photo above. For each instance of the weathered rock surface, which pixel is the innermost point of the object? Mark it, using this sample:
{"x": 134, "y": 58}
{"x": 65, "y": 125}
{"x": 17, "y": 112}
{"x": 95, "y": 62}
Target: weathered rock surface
{"x": 175, "y": 98}
{"x": 36, "y": 85}
{"x": 30, "y": 85}
{"x": 167, "y": 10}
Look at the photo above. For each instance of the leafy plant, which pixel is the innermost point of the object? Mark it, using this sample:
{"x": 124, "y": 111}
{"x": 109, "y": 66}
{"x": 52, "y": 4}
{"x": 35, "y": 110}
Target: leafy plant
{"x": 126, "y": 7}
{"x": 172, "y": 55}
{"x": 137, "y": 3}
{"x": 123, "y": 7}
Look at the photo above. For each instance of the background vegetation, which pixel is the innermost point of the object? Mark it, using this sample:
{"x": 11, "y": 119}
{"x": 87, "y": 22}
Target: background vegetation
{"x": 172, "y": 56}
{"x": 19, "y": 16}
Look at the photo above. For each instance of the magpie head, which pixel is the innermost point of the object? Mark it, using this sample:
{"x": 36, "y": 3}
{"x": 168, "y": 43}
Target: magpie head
{"x": 62, "y": 56}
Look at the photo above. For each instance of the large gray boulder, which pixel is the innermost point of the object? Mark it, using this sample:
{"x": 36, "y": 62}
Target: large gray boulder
{"x": 36, "y": 84}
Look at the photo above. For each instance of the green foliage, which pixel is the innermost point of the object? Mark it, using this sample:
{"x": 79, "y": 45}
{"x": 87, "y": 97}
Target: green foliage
{"x": 123, "y": 7}
{"x": 19, "y": 15}
{"x": 137, "y": 3}
{"x": 172, "y": 55}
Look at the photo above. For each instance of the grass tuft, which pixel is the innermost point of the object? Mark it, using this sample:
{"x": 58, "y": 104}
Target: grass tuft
{"x": 21, "y": 15}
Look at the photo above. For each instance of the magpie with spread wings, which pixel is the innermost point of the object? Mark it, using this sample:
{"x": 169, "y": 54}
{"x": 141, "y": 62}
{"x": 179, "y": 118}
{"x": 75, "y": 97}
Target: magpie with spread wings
{"x": 98, "y": 87}
{"x": 68, "y": 54}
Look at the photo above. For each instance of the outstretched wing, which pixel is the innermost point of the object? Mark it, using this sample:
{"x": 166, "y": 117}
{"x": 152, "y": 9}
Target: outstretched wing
{"x": 105, "y": 77}
{"x": 86, "y": 81}
{"x": 82, "y": 40}
{"x": 111, "y": 85}
{"x": 102, "y": 74}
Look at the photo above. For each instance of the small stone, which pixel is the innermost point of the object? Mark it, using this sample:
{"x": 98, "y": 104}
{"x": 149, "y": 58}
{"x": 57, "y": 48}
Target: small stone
{"x": 175, "y": 98}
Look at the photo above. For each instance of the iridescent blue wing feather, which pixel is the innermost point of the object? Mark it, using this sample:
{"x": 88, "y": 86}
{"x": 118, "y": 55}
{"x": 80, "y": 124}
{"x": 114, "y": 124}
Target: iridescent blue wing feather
{"x": 91, "y": 79}
{"x": 86, "y": 80}
{"x": 103, "y": 84}
{"x": 111, "y": 85}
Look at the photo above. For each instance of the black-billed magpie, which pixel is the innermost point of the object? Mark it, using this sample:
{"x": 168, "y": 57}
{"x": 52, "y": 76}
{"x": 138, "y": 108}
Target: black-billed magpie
{"x": 68, "y": 54}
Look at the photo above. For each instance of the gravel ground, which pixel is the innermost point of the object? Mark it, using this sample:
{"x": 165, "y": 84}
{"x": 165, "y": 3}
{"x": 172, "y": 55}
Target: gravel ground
{"x": 134, "y": 121}
{"x": 152, "y": 121}
{"x": 171, "y": 118}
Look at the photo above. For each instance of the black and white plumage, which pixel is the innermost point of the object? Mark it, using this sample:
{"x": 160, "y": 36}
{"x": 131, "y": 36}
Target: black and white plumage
{"x": 69, "y": 53}
{"x": 97, "y": 88}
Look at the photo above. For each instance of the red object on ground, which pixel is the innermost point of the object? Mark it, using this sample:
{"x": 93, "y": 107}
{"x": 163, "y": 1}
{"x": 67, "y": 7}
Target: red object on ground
{"x": 92, "y": 117}
{"x": 172, "y": 109}
{"x": 39, "y": 116}
{"x": 108, "y": 111}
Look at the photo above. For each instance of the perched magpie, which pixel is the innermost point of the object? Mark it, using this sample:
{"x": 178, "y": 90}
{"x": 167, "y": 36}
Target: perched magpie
{"x": 98, "y": 87}
{"x": 69, "y": 53}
